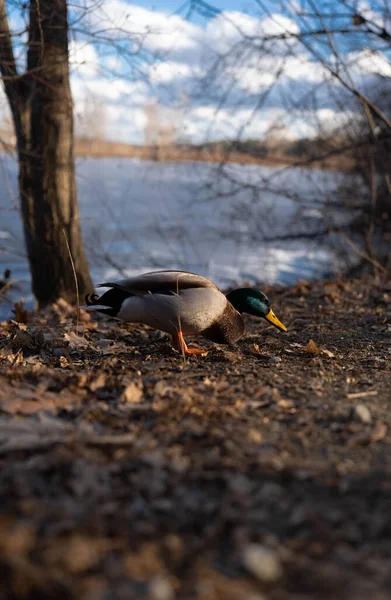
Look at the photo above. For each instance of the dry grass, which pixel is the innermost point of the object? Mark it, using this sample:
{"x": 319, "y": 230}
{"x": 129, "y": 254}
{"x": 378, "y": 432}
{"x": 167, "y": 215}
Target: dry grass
{"x": 100, "y": 149}
{"x": 277, "y": 156}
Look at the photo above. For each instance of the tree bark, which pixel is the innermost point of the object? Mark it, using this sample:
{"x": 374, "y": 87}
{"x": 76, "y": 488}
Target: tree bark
{"x": 41, "y": 106}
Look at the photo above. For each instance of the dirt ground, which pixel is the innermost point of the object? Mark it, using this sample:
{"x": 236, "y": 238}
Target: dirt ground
{"x": 261, "y": 471}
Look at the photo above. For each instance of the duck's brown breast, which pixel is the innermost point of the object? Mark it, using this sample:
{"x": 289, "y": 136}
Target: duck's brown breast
{"x": 227, "y": 329}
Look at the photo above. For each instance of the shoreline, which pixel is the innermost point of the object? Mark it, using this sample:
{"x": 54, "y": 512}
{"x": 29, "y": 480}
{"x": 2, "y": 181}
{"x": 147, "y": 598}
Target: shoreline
{"x": 208, "y": 154}
{"x": 98, "y": 149}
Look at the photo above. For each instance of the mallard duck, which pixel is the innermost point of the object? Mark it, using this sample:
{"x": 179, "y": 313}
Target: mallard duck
{"x": 181, "y": 304}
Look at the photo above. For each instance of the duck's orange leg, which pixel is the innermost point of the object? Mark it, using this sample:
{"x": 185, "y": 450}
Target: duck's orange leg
{"x": 179, "y": 343}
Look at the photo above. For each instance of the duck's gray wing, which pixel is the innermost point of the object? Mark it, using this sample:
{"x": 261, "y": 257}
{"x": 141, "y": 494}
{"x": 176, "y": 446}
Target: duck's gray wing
{"x": 168, "y": 281}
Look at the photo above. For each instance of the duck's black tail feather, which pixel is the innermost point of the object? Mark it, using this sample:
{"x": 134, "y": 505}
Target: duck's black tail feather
{"x": 109, "y": 303}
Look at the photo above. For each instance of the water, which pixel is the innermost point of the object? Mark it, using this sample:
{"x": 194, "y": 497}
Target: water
{"x": 139, "y": 216}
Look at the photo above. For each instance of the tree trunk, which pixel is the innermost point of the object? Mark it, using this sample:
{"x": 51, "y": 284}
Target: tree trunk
{"x": 41, "y": 105}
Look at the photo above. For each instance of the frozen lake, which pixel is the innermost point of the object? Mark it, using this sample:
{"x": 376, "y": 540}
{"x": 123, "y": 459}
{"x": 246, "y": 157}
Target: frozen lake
{"x": 220, "y": 222}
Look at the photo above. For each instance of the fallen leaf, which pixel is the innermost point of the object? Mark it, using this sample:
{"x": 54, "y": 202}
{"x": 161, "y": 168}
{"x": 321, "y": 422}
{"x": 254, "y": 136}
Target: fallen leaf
{"x": 378, "y": 432}
{"x": 312, "y": 348}
{"x": 75, "y": 340}
{"x": 21, "y": 314}
{"x": 328, "y": 353}
{"x": 21, "y": 340}
{"x": 98, "y": 382}
{"x": 369, "y": 436}
{"x": 104, "y": 343}
{"x": 132, "y": 393}
{"x": 30, "y": 400}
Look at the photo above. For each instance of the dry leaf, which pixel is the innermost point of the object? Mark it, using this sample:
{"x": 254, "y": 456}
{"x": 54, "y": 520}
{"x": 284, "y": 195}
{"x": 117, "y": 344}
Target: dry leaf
{"x": 75, "y": 341}
{"x": 312, "y": 348}
{"x": 27, "y": 338}
{"x": 132, "y": 393}
{"x": 21, "y": 340}
{"x": 378, "y": 432}
{"x": 369, "y": 436}
{"x": 360, "y": 439}
{"x": 21, "y": 315}
{"x": 98, "y": 382}
{"x": 30, "y": 400}
{"x": 104, "y": 343}
{"x": 64, "y": 362}
{"x": 328, "y": 353}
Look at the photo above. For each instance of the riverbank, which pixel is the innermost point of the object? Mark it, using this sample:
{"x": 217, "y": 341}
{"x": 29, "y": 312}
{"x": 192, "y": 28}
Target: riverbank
{"x": 261, "y": 471}
{"x": 289, "y": 154}
{"x": 212, "y": 153}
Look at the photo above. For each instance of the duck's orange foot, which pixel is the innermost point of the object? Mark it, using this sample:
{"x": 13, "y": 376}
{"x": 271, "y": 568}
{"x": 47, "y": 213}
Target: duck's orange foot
{"x": 179, "y": 343}
{"x": 196, "y": 351}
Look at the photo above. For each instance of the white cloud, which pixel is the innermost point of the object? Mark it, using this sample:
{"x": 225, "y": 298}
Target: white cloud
{"x": 5, "y": 113}
{"x": 126, "y": 123}
{"x": 157, "y": 31}
{"x": 103, "y": 90}
{"x": 308, "y": 122}
{"x": 120, "y": 104}
{"x": 167, "y": 72}
{"x": 205, "y": 122}
{"x": 83, "y": 59}
{"x": 278, "y": 24}
{"x": 301, "y": 68}
{"x": 364, "y": 9}
{"x": 186, "y": 52}
{"x": 229, "y": 28}
{"x": 257, "y": 75}
{"x": 251, "y": 79}
{"x": 368, "y": 62}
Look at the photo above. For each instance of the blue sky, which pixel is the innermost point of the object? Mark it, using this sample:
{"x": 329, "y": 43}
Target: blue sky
{"x": 174, "y": 5}
{"x": 204, "y": 80}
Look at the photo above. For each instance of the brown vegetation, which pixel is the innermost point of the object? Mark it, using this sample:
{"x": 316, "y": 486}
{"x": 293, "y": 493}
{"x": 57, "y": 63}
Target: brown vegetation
{"x": 213, "y": 152}
{"x": 310, "y": 153}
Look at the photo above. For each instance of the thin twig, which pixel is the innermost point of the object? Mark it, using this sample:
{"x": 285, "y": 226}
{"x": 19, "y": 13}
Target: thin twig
{"x": 76, "y": 282}
{"x": 363, "y": 255}
{"x": 179, "y": 320}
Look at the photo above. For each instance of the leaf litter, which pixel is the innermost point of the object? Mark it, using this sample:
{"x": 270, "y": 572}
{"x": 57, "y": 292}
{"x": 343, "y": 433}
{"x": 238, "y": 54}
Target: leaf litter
{"x": 253, "y": 472}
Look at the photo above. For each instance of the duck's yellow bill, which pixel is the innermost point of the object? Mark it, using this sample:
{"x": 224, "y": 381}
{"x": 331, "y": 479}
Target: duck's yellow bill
{"x": 271, "y": 317}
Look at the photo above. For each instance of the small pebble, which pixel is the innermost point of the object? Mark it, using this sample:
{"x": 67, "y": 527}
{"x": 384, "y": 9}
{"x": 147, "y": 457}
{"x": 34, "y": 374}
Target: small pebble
{"x": 274, "y": 360}
{"x": 161, "y": 589}
{"x": 283, "y": 403}
{"x": 361, "y": 413}
{"x": 262, "y": 563}
{"x": 58, "y": 352}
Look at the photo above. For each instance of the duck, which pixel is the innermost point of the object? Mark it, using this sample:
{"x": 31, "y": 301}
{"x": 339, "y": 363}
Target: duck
{"x": 182, "y": 304}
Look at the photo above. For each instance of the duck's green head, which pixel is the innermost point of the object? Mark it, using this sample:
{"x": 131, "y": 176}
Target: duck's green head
{"x": 254, "y": 302}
